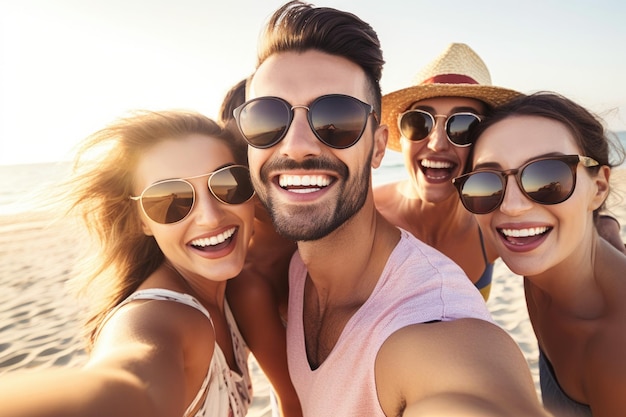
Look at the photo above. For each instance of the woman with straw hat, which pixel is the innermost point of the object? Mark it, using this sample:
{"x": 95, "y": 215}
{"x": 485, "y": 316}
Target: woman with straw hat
{"x": 428, "y": 122}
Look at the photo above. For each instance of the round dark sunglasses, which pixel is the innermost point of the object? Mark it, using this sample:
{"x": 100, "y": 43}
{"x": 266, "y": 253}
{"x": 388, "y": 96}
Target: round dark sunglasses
{"x": 337, "y": 120}
{"x": 549, "y": 180}
{"x": 416, "y": 125}
{"x": 171, "y": 201}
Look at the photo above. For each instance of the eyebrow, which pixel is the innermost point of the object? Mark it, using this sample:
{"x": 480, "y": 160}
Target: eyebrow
{"x": 496, "y": 165}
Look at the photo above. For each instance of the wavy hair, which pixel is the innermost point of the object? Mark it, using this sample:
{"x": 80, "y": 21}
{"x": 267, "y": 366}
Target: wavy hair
{"x": 98, "y": 192}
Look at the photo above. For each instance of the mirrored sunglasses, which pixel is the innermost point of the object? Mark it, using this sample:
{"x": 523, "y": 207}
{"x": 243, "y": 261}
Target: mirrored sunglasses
{"x": 337, "y": 120}
{"x": 171, "y": 201}
{"x": 416, "y": 125}
{"x": 545, "y": 181}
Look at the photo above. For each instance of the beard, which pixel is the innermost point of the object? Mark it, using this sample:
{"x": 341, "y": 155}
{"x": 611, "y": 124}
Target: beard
{"x": 308, "y": 222}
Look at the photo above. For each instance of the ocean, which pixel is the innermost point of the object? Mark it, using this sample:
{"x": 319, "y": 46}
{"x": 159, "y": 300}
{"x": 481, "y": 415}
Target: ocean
{"x": 20, "y": 184}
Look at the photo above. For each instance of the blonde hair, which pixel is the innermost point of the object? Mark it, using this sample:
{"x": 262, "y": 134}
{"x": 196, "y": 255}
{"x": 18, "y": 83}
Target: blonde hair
{"x": 99, "y": 190}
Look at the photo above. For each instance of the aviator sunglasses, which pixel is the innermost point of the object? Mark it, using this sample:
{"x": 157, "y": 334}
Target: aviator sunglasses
{"x": 547, "y": 181}
{"x": 337, "y": 120}
{"x": 171, "y": 201}
{"x": 416, "y": 125}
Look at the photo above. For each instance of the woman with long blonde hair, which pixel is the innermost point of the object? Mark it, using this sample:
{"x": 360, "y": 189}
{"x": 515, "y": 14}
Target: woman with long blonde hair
{"x": 169, "y": 201}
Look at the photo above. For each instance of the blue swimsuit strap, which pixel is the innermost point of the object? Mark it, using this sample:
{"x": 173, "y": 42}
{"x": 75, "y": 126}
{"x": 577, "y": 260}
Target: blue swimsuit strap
{"x": 486, "y": 278}
{"x": 482, "y": 247}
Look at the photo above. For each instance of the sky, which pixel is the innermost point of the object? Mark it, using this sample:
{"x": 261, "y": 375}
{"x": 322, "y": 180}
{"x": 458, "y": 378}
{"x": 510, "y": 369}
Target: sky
{"x": 69, "y": 67}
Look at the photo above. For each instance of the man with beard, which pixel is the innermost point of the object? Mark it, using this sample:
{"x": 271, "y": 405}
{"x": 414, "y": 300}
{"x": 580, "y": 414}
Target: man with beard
{"x": 375, "y": 316}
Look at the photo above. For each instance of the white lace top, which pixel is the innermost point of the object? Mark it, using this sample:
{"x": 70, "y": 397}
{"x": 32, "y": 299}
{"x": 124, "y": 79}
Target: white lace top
{"x": 224, "y": 393}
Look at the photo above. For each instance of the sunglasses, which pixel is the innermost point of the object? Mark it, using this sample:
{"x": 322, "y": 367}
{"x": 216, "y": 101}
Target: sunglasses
{"x": 171, "y": 201}
{"x": 545, "y": 181}
{"x": 337, "y": 120}
{"x": 416, "y": 125}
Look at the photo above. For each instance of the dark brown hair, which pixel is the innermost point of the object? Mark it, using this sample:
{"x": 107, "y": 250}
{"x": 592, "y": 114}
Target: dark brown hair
{"x": 234, "y": 97}
{"x": 586, "y": 128}
{"x": 299, "y": 27}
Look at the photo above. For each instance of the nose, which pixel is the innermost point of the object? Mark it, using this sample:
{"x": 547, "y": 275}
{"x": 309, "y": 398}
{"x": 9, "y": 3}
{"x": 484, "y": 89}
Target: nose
{"x": 207, "y": 209}
{"x": 300, "y": 142}
{"x": 514, "y": 202}
{"x": 438, "y": 138}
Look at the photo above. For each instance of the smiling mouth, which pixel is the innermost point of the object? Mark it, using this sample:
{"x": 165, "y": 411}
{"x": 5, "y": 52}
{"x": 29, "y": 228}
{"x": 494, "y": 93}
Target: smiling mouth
{"x": 437, "y": 170}
{"x": 304, "y": 183}
{"x": 216, "y": 241}
{"x": 524, "y": 236}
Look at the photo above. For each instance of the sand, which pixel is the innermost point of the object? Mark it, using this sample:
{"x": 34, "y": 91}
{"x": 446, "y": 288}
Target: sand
{"x": 40, "y": 321}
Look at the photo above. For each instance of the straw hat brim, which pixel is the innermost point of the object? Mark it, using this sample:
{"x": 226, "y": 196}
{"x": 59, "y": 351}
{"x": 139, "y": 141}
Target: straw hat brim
{"x": 397, "y": 102}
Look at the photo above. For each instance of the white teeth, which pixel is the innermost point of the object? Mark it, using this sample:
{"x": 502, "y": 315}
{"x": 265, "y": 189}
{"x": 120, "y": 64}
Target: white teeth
{"x": 318, "y": 181}
{"x": 427, "y": 163}
{"x": 533, "y": 231}
{"x": 214, "y": 240}
{"x": 303, "y": 190}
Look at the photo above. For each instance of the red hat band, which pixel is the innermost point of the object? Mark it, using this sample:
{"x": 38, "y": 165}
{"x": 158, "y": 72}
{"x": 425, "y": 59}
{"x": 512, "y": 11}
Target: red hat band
{"x": 450, "y": 79}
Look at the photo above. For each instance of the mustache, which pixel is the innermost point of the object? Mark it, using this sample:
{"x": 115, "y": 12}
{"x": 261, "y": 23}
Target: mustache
{"x": 311, "y": 164}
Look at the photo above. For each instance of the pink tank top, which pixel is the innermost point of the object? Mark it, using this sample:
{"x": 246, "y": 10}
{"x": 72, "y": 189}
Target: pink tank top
{"x": 418, "y": 284}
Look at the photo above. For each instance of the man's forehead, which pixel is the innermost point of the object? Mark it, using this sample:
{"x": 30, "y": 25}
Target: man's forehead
{"x": 306, "y": 75}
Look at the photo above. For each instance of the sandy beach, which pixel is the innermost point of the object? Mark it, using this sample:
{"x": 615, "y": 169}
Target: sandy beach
{"x": 40, "y": 320}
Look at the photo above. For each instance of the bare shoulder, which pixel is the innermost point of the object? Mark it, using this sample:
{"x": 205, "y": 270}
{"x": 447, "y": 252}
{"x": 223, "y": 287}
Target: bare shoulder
{"x": 385, "y": 191}
{"x": 387, "y": 198}
{"x": 610, "y": 266}
{"x": 610, "y": 229}
{"x": 165, "y": 345}
{"x": 248, "y": 287}
{"x": 252, "y": 298}
{"x": 604, "y": 375}
{"x": 148, "y": 327}
{"x": 468, "y": 357}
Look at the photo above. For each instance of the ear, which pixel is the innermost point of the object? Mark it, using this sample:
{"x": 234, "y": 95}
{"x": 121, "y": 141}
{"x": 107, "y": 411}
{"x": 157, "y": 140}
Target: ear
{"x": 146, "y": 228}
{"x": 380, "y": 144}
{"x": 601, "y": 181}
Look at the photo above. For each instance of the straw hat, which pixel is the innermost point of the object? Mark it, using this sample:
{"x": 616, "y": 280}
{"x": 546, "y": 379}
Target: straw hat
{"x": 457, "y": 72}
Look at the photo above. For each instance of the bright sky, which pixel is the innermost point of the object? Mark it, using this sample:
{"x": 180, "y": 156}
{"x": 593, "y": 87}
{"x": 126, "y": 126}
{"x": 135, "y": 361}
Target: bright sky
{"x": 68, "y": 67}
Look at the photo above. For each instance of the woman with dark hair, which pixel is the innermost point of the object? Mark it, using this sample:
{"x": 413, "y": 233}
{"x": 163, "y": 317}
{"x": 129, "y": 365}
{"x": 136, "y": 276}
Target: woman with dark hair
{"x": 540, "y": 172}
